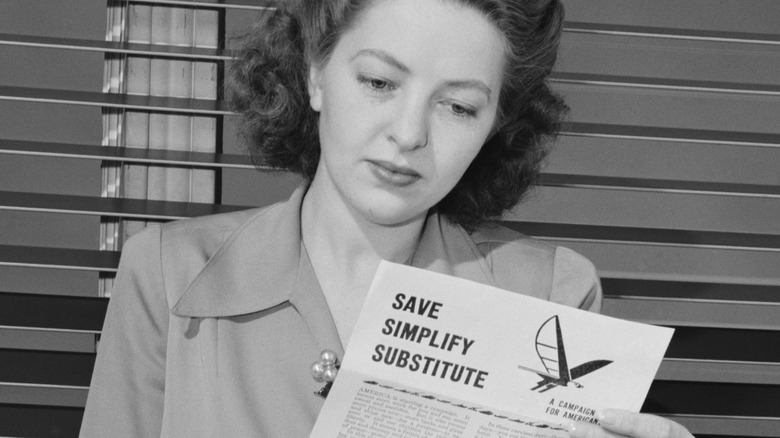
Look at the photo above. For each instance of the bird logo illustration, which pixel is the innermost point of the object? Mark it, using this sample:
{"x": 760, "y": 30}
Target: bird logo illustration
{"x": 549, "y": 347}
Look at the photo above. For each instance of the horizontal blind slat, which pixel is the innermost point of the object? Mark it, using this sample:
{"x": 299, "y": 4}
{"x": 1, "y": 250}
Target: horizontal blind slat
{"x": 665, "y": 84}
{"x": 46, "y": 367}
{"x": 668, "y": 32}
{"x": 723, "y": 344}
{"x": 58, "y": 258}
{"x": 56, "y": 312}
{"x": 729, "y": 138}
{"x": 695, "y": 313}
{"x": 20, "y": 420}
{"x": 42, "y": 395}
{"x": 659, "y": 185}
{"x": 617, "y": 287}
{"x": 711, "y": 426}
{"x": 110, "y": 100}
{"x": 128, "y": 48}
{"x": 114, "y": 207}
{"x": 126, "y": 154}
{"x": 230, "y": 4}
{"x": 703, "y": 370}
{"x": 636, "y": 235}
{"x": 713, "y": 398}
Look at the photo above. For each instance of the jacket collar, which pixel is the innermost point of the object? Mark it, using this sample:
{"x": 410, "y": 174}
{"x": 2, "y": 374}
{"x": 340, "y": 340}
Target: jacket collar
{"x": 446, "y": 248}
{"x": 262, "y": 265}
{"x": 254, "y": 269}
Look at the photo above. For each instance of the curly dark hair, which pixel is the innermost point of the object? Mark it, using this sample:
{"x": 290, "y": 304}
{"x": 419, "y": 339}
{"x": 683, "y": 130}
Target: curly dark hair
{"x": 268, "y": 87}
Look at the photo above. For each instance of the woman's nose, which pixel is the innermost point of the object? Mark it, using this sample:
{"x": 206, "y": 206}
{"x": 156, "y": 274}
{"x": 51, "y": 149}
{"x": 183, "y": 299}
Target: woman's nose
{"x": 409, "y": 127}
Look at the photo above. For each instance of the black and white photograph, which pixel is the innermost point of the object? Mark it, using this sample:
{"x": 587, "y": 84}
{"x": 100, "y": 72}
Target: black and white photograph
{"x": 532, "y": 218}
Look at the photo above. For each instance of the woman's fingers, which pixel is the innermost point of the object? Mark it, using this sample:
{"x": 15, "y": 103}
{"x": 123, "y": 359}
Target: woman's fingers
{"x": 618, "y": 423}
{"x": 587, "y": 430}
{"x": 641, "y": 425}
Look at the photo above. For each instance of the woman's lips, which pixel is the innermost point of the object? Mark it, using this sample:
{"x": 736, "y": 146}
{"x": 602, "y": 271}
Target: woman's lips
{"x": 393, "y": 174}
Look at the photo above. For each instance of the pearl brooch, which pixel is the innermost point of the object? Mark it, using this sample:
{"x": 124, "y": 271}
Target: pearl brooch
{"x": 325, "y": 370}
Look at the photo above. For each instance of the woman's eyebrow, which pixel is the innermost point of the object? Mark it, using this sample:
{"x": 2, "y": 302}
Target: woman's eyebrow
{"x": 470, "y": 83}
{"x": 383, "y": 56}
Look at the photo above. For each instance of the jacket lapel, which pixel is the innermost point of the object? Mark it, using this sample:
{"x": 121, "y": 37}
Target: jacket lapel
{"x": 309, "y": 300}
{"x": 253, "y": 270}
{"x": 260, "y": 266}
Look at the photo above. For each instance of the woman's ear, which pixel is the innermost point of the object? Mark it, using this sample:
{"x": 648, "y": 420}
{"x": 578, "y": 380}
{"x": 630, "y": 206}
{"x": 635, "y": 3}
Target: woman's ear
{"x": 315, "y": 87}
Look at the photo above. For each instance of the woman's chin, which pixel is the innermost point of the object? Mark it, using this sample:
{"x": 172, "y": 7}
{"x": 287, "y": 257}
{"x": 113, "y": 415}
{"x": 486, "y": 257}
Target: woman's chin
{"x": 393, "y": 215}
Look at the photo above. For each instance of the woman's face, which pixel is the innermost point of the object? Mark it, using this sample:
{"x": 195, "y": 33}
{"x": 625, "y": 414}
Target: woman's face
{"x": 406, "y": 100}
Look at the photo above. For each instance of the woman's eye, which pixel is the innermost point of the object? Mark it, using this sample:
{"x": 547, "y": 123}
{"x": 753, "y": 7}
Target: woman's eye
{"x": 375, "y": 84}
{"x": 378, "y": 84}
{"x": 462, "y": 110}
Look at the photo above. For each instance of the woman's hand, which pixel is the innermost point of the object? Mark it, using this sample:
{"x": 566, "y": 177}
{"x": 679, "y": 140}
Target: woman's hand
{"x": 614, "y": 423}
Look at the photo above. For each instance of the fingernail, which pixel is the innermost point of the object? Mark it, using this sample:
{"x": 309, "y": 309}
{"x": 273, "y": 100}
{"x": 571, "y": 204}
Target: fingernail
{"x": 572, "y": 429}
{"x": 605, "y": 418}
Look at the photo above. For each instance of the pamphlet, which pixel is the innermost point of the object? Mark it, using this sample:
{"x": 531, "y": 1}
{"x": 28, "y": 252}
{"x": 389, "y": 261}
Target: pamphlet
{"x": 438, "y": 356}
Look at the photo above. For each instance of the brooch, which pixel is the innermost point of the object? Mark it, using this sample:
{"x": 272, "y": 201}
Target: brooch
{"x": 325, "y": 370}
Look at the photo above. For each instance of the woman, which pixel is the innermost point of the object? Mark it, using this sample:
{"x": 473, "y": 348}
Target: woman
{"x": 412, "y": 122}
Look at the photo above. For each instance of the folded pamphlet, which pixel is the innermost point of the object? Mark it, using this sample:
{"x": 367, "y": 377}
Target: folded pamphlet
{"x": 434, "y": 355}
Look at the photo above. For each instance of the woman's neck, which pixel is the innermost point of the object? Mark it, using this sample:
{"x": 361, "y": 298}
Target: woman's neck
{"x": 345, "y": 249}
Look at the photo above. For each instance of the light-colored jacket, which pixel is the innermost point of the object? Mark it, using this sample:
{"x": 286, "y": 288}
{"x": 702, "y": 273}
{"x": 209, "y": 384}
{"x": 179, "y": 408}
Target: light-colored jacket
{"x": 214, "y": 322}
